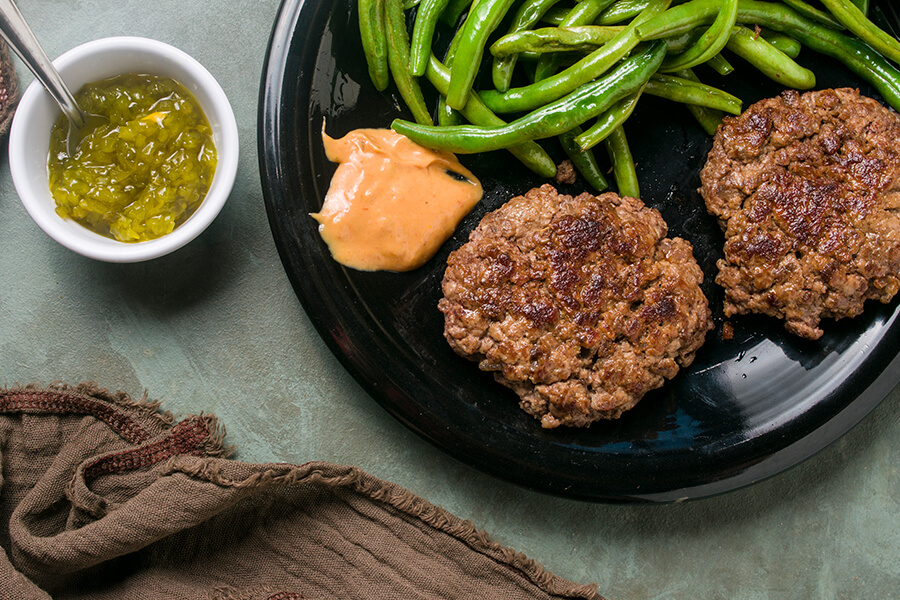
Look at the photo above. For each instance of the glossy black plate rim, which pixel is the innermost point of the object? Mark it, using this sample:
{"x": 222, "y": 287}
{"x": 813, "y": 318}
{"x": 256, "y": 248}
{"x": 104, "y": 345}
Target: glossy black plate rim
{"x": 743, "y": 463}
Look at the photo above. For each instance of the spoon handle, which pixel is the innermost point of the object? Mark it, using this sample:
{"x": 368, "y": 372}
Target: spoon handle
{"x": 16, "y": 31}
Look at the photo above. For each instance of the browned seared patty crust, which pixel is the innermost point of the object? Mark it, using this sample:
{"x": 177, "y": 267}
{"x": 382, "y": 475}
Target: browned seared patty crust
{"x": 805, "y": 189}
{"x": 581, "y": 305}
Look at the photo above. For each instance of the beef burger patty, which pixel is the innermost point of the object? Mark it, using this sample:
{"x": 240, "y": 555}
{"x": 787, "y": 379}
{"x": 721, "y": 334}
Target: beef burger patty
{"x": 580, "y": 305}
{"x": 805, "y": 189}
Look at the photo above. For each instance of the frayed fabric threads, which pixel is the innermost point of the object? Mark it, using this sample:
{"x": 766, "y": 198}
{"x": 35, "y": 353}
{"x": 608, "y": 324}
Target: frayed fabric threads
{"x": 106, "y": 497}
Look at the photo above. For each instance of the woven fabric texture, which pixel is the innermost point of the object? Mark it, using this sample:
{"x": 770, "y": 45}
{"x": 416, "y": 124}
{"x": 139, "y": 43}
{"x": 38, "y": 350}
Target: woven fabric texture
{"x": 106, "y": 497}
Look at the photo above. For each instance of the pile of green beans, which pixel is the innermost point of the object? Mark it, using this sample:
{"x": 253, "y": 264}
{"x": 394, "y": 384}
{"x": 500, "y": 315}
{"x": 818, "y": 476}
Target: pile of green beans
{"x": 575, "y": 70}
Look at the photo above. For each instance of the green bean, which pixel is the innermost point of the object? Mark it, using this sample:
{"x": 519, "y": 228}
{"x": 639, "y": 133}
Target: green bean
{"x": 408, "y": 4}
{"x": 586, "y": 38}
{"x": 423, "y": 33}
{"x": 525, "y": 17}
{"x": 569, "y": 58}
{"x": 622, "y": 161}
{"x": 586, "y": 11}
{"x": 710, "y": 43}
{"x": 709, "y": 119}
{"x": 785, "y": 43}
{"x": 811, "y": 12}
{"x": 483, "y": 18}
{"x": 398, "y": 60}
{"x": 770, "y": 61}
{"x": 584, "y": 160}
{"x": 678, "y": 20}
{"x": 550, "y": 120}
{"x": 447, "y": 115}
{"x": 454, "y": 10}
{"x": 587, "y": 69}
{"x": 867, "y": 63}
{"x": 862, "y": 5}
{"x": 555, "y": 16}
{"x": 681, "y": 42}
{"x": 374, "y": 41}
{"x": 687, "y": 91}
{"x": 622, "y": 11}
{"x": 583, "y": 13}
{"x": 856, "y": 21}
{"x": 529, "y": 153}
{"x": 720, "y": 65}
{"x": 608, "y": 121}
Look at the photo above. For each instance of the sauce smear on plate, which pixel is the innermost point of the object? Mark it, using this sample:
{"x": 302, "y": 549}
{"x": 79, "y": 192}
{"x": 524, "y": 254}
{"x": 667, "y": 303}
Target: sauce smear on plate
{"x": 391, "y": 203}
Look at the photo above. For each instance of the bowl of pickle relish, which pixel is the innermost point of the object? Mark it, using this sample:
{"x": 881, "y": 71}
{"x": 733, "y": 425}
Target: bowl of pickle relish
{"x": 146, "y": 178}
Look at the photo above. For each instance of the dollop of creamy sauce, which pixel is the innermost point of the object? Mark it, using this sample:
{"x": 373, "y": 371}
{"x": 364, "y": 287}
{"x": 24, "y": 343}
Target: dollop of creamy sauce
{"x": 391, "y": 203}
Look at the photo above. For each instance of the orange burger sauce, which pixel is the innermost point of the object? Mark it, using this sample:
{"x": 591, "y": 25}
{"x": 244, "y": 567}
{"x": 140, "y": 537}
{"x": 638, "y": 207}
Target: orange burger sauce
{"x": 391, "y": 203}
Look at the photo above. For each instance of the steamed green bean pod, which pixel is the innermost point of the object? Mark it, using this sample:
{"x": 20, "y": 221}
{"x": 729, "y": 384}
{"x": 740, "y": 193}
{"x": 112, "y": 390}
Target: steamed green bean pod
{"x": 867, "y": 63}
{"x": 550, "y": 120}
{"x": 811, "y": 12}
{"x": 710, "y": 43}
{"x": 720, "y": 64}
{"x": 529, "y": 153}
{"x": 587, "y": 69}
{"x": 785, "y": 43}
{"x": 583, "y": 159}
{"x": 554, "y": 17}
{"x": 679, "y": 19}
{"x": 527, "y": 15}
{"x": 687, "y": 91}
{"x": 398, "y": 60}
{"x": 373, "y": 34}
{"x": 622, "y": 12}
{"x": 582, "y": 13}
{"x": 427, "y": 16}
{"x": 770, "y": 61}
{"x": 448, "y": 116}
{"x": 624, "y": 169}
{"x": 856, "y": 21}
{"x": 483, "y": 18}
{"x": 613, "y": 51}
{"x": 454, "y": 10}
{"x": 607, "y": 122}
{"x": 585, "y": 38}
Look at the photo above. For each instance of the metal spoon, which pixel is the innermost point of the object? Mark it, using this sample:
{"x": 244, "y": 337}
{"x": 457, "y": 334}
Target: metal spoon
{"x": 18, "y": 34}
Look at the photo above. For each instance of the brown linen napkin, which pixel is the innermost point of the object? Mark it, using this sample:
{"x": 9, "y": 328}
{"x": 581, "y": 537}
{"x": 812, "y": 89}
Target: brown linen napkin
{"x": 105, "y": 497}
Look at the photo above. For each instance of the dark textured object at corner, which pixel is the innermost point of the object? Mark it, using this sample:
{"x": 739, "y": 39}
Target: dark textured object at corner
{"x": 8, "y": 88}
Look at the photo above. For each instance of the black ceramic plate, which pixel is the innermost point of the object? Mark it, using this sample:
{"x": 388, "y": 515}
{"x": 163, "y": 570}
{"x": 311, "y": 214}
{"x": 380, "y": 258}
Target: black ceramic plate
{"x": 746, "y": 409}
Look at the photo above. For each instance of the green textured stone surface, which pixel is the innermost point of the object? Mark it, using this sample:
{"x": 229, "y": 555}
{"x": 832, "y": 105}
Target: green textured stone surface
{"x": 216, "y": 328}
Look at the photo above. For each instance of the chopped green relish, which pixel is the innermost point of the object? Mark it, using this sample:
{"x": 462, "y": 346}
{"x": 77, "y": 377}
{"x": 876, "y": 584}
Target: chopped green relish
{"x": 142, "y": 174}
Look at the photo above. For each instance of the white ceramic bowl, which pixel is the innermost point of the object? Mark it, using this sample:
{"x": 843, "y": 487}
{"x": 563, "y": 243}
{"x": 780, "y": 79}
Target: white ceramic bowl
{"x": 29, "y": 142}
